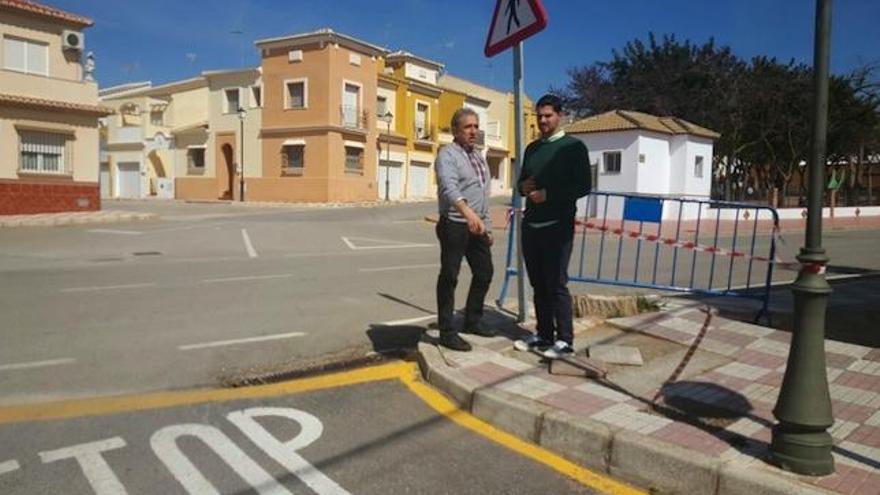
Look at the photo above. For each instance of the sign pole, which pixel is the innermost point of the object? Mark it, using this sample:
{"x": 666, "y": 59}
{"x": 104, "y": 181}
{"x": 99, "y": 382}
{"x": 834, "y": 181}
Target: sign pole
{"x": 522, "y": 312}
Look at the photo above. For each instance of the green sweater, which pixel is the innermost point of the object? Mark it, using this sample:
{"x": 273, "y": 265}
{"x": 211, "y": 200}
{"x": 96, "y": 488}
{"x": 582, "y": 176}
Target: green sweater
{"x": 562, "y": 168}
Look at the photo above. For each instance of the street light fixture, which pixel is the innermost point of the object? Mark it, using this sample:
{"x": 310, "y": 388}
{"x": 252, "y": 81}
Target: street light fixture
{"x": 242, "y": 113}
{"x": 387, "y": 119}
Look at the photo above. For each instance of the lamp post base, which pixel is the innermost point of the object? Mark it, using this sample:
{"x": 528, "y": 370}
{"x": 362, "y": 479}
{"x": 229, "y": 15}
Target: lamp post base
{"x": 802, "y": 451}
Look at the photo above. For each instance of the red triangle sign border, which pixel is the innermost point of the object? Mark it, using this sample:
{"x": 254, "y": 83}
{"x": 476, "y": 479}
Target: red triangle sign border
{"x": 537, "y": 26}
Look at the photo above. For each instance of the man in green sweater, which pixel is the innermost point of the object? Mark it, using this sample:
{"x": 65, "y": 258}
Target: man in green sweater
{"x": 555, "y": 173}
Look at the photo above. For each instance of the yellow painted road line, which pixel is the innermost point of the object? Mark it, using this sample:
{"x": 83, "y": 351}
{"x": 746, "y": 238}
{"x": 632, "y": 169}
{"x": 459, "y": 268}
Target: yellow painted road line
{"x": 123, "y": 404}
{"x": 447, "y": 408}
{"x": 405, "y": 372}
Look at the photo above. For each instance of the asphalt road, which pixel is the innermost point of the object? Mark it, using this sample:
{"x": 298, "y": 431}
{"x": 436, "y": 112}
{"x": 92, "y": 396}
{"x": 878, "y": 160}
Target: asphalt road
{"x": 270, "y": 440}
{"x": 213, "y": 289}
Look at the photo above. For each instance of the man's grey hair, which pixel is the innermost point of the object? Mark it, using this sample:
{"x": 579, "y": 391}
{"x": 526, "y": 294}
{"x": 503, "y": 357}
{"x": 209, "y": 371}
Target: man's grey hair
{"x": 460, "y": 114}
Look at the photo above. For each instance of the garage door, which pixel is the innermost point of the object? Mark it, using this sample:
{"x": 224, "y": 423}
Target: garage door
{"x": 128, "y": 179}
{"x": 391, "y": 171}
{"x": 418, "y": 179}
{"x": 105, "y": 180}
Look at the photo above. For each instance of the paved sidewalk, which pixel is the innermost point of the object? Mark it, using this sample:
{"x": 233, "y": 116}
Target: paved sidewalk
{"x": 709, "y": 430}
{"x": 73, "y": 218}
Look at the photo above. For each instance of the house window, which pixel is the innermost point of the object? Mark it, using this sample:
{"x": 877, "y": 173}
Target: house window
{"x": 354, "y": 160}
{"x": 232, "y": 102}
{"x": 611, "y": 162}
{"x": 698, "y": 167}
{"x": 296, "y": 94}
{"x": 26, "y": 56}
{"x": 43, "y": 152}
{"x": 422, "y": 121}
{"x": 156, "y": 117}
{"x": 195, "y": 158}
{"x": 381, "y": 106}
{"x": 256, "y": 96}
{"x": 641, "y": 158}
{"x": 293, "y": 158}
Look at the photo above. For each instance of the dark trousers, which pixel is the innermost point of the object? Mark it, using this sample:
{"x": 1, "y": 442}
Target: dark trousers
{"x": 456, "y": 242}
{"x": 546, "y": 252}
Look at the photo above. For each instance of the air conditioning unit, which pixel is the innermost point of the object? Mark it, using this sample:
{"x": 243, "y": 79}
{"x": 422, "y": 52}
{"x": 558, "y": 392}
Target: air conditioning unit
{"x": 72, "y": 40}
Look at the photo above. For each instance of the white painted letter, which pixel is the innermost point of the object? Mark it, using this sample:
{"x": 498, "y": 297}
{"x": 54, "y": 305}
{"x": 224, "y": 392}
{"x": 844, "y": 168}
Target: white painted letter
{"x": 94, "y": 467}
{"x": 284, "y": 453}
{"x": 8, "y": 466}
{"x": 164, "y": 443}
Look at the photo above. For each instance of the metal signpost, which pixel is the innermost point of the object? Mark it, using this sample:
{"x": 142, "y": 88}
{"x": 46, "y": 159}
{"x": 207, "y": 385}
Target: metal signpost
{"x": 512, "y": 22}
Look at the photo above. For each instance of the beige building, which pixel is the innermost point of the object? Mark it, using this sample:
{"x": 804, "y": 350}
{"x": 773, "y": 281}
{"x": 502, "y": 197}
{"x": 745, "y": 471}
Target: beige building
{"x": 48, "y": 111}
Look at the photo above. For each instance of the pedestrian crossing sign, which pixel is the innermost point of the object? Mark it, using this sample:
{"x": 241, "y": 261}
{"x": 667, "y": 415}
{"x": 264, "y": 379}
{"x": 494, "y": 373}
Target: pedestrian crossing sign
{"x": 512, "y": 22}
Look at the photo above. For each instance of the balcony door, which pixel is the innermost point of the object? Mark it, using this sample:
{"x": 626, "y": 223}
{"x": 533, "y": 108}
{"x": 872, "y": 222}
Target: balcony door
{"x": 350, "y": 100}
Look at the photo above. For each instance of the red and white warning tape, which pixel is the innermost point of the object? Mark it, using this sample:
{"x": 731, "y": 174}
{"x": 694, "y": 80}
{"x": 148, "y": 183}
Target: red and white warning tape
{"x": 718, "y": 251}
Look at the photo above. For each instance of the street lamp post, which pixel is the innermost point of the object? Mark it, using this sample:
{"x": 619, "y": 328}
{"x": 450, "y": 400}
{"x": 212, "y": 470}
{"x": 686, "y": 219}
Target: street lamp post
{"x": 801, "y": 442}
{"x": 242, "y": 113}
{"x": 387, "y": 119}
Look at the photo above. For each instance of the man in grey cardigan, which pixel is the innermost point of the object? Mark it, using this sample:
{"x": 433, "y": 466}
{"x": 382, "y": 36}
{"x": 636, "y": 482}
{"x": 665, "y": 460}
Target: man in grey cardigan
{"x": 464, "y": 228}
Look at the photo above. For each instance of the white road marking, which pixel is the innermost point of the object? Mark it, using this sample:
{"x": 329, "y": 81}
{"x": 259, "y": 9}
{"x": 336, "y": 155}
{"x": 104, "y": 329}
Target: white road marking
{"x": 394, "y": 268}
{"x": 108, "y": 287}
{"x": 780, "y": 283}
{"x": 95, "y": 468}
{"x": 113, "y": 231}
{"x": 247, "y": 244}
{"x": 36, "y": 364}
{"x": 383, "y": 244}
{"x": 407, "y": 221}
{"x": 408, "y": 321}
{"x": 9, "y": 466}
{"x": 245, "y": 279}
{"x": 248, "y": 340}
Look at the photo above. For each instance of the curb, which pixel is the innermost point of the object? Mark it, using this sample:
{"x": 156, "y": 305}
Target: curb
{"x": 631, "y": 457}
{"x": 102, "y": 217}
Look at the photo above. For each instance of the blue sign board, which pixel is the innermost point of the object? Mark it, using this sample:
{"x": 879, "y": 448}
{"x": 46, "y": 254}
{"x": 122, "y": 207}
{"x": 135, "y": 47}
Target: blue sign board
{"x": 643, "y": 209}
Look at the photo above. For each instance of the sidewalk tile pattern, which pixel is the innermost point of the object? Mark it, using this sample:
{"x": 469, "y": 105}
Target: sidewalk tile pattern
{"x": 747, "y": 388}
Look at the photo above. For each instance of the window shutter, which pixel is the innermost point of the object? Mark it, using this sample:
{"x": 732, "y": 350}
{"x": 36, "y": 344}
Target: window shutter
{"x": 13, "y": 54}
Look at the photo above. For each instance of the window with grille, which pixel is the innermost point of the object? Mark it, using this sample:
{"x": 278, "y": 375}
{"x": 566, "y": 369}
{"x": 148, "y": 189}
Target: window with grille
{"x": 293, "y": 158}
{"x": 354, "y": 161}
{"x": 611, "y": 162}
{"x": 698, "y": 167}
{"x": 43, "y": 152}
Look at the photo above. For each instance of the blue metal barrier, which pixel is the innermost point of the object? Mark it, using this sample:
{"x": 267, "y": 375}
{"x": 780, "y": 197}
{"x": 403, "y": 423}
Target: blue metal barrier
{"x": 674, "y": 226}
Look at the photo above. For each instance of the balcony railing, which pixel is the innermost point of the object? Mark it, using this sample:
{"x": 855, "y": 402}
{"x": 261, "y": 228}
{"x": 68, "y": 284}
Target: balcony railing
{"x": 424, "y": 133}
{"x": 352, "y": 117}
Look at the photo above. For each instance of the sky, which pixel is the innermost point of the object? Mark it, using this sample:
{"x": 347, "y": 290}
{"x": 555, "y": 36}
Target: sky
{"x": 166, "y": 40}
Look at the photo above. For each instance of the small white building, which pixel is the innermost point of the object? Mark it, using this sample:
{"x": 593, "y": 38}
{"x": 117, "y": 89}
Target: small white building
{"x": 634, "y": 152}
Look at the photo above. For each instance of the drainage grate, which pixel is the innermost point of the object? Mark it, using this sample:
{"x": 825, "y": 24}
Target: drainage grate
{"x": 147, "y": 253}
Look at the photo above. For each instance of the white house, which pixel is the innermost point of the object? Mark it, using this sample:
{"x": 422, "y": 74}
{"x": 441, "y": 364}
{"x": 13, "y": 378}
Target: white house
{"x": 633, "y": 152}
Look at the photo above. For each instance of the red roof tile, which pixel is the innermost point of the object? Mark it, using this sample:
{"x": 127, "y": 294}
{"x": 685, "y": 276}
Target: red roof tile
{"x": 45, "y": 11}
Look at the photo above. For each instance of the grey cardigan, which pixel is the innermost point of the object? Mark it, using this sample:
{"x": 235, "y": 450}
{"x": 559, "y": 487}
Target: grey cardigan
{"x": 456, "y": 178}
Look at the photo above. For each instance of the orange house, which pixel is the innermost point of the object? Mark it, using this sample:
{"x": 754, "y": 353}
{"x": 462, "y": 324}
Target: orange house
{"x": 318, "y": 130}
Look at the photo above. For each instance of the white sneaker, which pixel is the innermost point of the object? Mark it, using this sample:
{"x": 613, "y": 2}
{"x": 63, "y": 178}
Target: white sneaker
{"x": 559, "y": 349}
{"x": 531, "y": 343}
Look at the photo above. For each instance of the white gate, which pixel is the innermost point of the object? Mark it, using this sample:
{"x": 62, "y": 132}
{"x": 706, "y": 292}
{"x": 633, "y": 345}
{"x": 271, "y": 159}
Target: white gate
{"x": 105, "y": 180}
{"x": 128, "y": 180}
{"x": 418, "y": 179}
{"x": 390, "y": 171}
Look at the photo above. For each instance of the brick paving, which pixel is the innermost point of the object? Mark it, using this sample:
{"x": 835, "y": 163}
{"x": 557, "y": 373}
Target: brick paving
{"x": 745, "y": 388}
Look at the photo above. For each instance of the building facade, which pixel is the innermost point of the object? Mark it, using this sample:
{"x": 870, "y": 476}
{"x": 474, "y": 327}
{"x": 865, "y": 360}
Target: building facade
{"x": 49, "y": 112}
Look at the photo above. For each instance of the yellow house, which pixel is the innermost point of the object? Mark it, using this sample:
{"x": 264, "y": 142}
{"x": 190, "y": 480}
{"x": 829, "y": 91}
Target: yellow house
{"x": 406, "y": 170}
{"x": 48, "y": 111}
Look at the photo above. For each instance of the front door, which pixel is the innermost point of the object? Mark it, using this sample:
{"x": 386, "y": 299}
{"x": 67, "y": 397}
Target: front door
{"x": 128, "y": 179}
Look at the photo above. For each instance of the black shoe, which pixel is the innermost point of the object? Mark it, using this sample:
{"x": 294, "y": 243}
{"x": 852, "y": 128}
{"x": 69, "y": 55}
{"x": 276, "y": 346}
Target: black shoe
{"x": 479, "y": 329}
{"x": 451, "y": 340}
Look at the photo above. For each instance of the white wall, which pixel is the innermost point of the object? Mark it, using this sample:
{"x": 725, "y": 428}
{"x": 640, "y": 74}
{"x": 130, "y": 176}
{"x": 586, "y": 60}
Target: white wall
{"x": 420, "y": 73}
{"x": 677, "y": 164}
{"x": 654, "y": 174}
{"x": 694, "y": 186}
{"x": 627, "y": 180}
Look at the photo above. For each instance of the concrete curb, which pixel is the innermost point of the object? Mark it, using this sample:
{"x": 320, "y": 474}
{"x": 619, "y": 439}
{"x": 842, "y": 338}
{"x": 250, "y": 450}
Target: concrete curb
{"x": 77, "y": 218}
{"x": 657, "y": 466}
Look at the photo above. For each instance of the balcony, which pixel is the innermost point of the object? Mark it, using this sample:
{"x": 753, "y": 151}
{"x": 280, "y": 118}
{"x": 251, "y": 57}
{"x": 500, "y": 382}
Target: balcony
{"x": 48, "y": 88}
{"x": 424, "y": 134}
{"x": 352, "y": 117}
